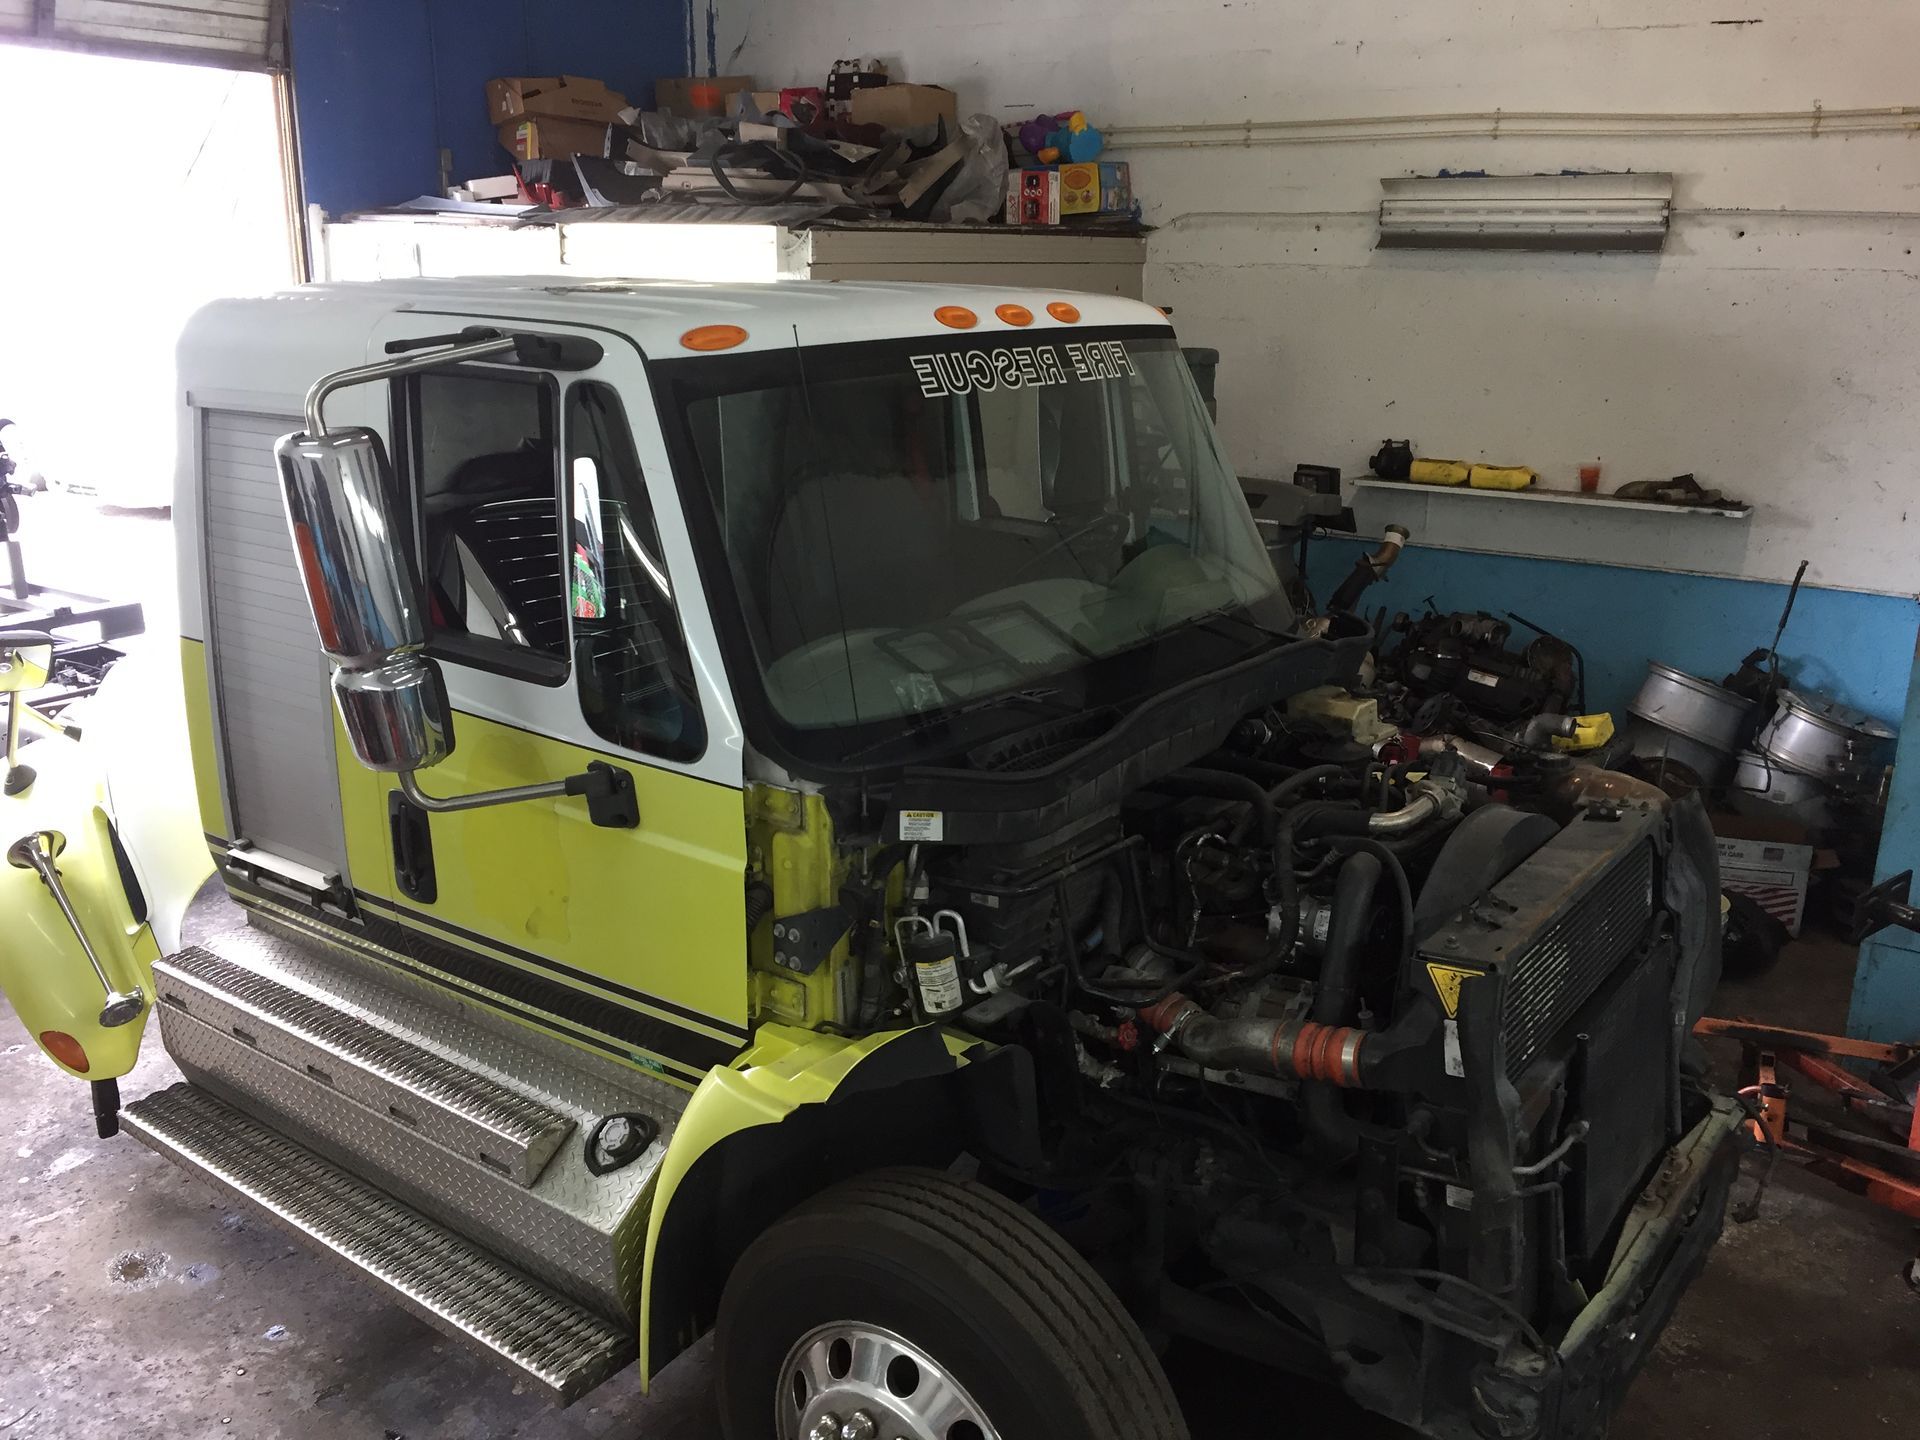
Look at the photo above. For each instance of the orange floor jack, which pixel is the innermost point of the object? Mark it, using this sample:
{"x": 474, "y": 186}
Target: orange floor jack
{"x": 1883, "y": 1090}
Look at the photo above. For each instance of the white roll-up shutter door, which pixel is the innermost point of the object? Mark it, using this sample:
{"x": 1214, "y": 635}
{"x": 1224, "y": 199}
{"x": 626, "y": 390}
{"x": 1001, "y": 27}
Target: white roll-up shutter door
{"x": 275, "y": 711}
{"x": 239, "y": 34}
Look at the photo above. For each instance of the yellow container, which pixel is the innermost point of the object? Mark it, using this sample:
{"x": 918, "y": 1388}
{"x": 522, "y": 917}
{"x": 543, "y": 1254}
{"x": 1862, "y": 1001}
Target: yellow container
{"x": 1438, "y": 472}
{"x": 1500, "y": 477}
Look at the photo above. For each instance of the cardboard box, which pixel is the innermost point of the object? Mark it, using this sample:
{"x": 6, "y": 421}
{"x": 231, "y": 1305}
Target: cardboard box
{"x": 551, "y": 97}
{"x": 552, "y": 139}
{"x": 1099, "y": 187}
{"x": 1769, "y": 861}
{"x": 1033, "y": 197}
{"x": 903, "y": 107}
{"x": 698, "y": 94}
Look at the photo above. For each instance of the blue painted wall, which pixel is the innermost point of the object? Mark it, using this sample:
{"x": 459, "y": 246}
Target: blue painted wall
{"x": 1858, "y": 648}
{"x": 381, "y": 86}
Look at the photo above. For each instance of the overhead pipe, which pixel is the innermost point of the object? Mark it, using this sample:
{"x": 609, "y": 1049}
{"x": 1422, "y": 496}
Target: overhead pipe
{"x": 1521, "y": 124}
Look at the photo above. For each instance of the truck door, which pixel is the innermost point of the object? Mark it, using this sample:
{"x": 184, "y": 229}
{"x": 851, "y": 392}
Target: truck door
{"x": 566, "y": 618}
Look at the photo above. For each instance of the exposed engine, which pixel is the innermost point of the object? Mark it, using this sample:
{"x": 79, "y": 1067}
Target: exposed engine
{"x": 1386, "y": 1012}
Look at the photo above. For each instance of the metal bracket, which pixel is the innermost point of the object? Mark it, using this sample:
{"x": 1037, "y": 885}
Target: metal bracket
{"x": 802, "y": 942}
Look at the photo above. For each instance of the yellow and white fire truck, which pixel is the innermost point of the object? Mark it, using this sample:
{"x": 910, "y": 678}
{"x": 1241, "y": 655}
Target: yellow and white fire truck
{"x": 803, "y": 811}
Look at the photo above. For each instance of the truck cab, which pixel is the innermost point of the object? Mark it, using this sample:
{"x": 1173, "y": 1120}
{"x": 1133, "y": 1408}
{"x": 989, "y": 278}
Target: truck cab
{"x": 803, "y": 811}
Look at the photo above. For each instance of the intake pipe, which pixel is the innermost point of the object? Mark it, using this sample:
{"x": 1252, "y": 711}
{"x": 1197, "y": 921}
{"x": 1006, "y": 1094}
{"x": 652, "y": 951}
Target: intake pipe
{"x": 1338, "y": 1055}
{"x": 1368, "y": 569}
{"x": 1295, "y": 1049}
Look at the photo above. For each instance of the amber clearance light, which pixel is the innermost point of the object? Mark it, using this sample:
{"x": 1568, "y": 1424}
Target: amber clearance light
{"x": 1063, "y": 312}
{"x": 956, "y": 317}
{"x": 1014, "y": 314}
{"x": 713, "y": 337}
{"x": 64, "y": 1048}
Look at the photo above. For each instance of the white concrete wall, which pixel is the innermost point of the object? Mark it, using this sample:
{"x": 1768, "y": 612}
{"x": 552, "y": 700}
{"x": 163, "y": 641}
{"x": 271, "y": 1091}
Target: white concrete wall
{"x": 1771, "y": 349}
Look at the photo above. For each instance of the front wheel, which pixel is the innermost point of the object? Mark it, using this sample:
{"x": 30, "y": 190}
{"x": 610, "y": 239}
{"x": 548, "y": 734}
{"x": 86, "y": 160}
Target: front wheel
{"x": 907, "y": 1305}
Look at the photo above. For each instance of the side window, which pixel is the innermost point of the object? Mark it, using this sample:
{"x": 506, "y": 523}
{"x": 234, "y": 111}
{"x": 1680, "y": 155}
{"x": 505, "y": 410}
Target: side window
{"x": 635, "y": 674}
{"x": 482, "y": 456}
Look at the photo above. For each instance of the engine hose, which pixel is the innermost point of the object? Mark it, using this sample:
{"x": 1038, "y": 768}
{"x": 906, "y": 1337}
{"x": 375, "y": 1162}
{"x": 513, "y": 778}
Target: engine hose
{"x": 1151, "y": 992}
{"x": 1402, "y": 888}
{"x": 1301, "y": 1049}
{"x": 1226, "y": 785}
{"x": 1312, "y": 775}
{"x": 1338, "y": 998}
{"x": 1337, "y": 1001}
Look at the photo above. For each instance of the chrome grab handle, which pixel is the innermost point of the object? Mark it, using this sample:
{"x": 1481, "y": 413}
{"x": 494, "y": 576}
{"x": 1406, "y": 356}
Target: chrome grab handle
{"x": 121, "y": 1007}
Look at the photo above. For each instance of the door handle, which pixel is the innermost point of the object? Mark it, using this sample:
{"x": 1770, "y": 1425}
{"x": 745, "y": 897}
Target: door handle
{"x": 412, "y": 832}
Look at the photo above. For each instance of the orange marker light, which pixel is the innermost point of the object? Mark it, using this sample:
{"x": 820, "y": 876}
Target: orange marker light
{"x": 1014, "y": 314}
{"x": 956, "y": 317}
{"x": 713, "y": 337}
{"x": 64, "y": 1048}
{"x": 1063, "y": 312}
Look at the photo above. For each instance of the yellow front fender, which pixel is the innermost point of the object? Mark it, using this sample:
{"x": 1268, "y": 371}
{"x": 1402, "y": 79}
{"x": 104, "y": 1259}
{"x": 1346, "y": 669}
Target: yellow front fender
{"x": 742, "y": 1133}
{"x": 43, "y": 969}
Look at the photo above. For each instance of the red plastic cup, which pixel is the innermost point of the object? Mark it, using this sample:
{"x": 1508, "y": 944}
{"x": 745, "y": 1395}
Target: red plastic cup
{"x": 1589, "y": 478}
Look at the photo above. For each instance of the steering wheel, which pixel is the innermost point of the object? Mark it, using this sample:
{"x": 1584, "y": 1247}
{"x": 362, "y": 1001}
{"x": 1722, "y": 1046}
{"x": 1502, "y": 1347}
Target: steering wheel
{"x": 1066, "y": 539}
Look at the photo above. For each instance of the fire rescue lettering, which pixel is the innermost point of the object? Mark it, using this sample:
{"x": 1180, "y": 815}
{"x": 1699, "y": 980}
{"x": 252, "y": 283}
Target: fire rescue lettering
{"x": 1015, "y": 367}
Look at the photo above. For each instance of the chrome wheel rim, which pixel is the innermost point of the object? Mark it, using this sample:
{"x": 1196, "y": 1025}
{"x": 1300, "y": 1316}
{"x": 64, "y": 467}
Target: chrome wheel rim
{"x": 848, "y": 1381}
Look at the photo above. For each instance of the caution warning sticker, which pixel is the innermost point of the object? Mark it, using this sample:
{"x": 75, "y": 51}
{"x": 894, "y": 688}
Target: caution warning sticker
{"x": 1447, "y": 980}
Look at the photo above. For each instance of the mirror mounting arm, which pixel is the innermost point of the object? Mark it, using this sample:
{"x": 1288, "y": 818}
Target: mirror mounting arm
{"x": 388, "y": 369}
{"x": 608, "y": 791}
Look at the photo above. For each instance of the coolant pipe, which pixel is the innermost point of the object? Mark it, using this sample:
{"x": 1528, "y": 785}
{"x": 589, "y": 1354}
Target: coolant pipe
{"x": 1479, "y": 759}
{"x": 1337, "y": 1000}
{"x": 1542, "y": 728}
{"x": 1368, "y": 569}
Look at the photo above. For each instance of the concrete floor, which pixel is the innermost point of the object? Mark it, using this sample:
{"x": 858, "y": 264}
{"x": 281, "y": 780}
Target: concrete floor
{"x": 134, "y": 1303}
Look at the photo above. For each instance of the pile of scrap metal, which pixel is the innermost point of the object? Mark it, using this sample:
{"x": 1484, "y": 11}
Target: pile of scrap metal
{"x": 1763, "y": 747}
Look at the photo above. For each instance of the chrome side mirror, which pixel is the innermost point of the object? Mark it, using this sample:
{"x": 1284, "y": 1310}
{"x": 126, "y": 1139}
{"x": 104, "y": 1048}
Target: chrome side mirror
{"x": 368, "y": 605}
{"x": 26, "y": 659}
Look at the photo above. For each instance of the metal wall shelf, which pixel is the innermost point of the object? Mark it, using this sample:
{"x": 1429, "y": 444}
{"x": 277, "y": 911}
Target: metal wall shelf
{"x": 1555, "y": 497}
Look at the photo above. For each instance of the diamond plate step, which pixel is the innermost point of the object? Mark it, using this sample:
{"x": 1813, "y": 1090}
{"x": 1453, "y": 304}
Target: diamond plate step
{"x": 443, "y": 1101}
{"x": 446, "y": 1280}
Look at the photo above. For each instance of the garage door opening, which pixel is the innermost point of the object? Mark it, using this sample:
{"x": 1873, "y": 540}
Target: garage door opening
{"x": 159, "y": 186}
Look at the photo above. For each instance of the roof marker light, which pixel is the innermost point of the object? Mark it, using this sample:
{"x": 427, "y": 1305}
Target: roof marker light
{"x": 1014, "y": 314}
{"x": 1063, "y": 312}
{"x": 713, "y": 337}
{"x": 956, "y": 317}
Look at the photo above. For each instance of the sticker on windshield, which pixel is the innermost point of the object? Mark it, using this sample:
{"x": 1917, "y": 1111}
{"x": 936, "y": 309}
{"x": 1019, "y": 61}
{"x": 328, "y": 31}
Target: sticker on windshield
{"x": 919, "y": 825}
{"x": 1015, "y": 367}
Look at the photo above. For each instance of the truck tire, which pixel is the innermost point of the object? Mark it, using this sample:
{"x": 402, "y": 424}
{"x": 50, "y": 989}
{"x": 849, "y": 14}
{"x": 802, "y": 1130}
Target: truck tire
{"x": 940, "y": 1311}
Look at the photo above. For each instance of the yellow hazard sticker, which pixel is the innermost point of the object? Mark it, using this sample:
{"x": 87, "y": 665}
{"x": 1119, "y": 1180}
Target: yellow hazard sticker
{"x": 1447, "y": 980}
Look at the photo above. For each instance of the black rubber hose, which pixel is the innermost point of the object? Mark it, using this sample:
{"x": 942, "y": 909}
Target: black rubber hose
{"x": 1226, "y": 785}
{"x": 1337, "y": 1002}
{"x": 1403, "y": 889}
{"x": 1313, "y": 775}
{"x": 1271, "y": 772}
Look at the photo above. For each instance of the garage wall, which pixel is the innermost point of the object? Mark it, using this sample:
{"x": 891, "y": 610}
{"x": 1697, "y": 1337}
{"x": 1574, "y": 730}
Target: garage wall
{"x": 381, "y": 86}
{"x": 1770, "y": 349}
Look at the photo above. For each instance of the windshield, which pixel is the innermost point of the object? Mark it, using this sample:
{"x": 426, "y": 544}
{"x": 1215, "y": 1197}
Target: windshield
{"x": 917, "y": 529}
